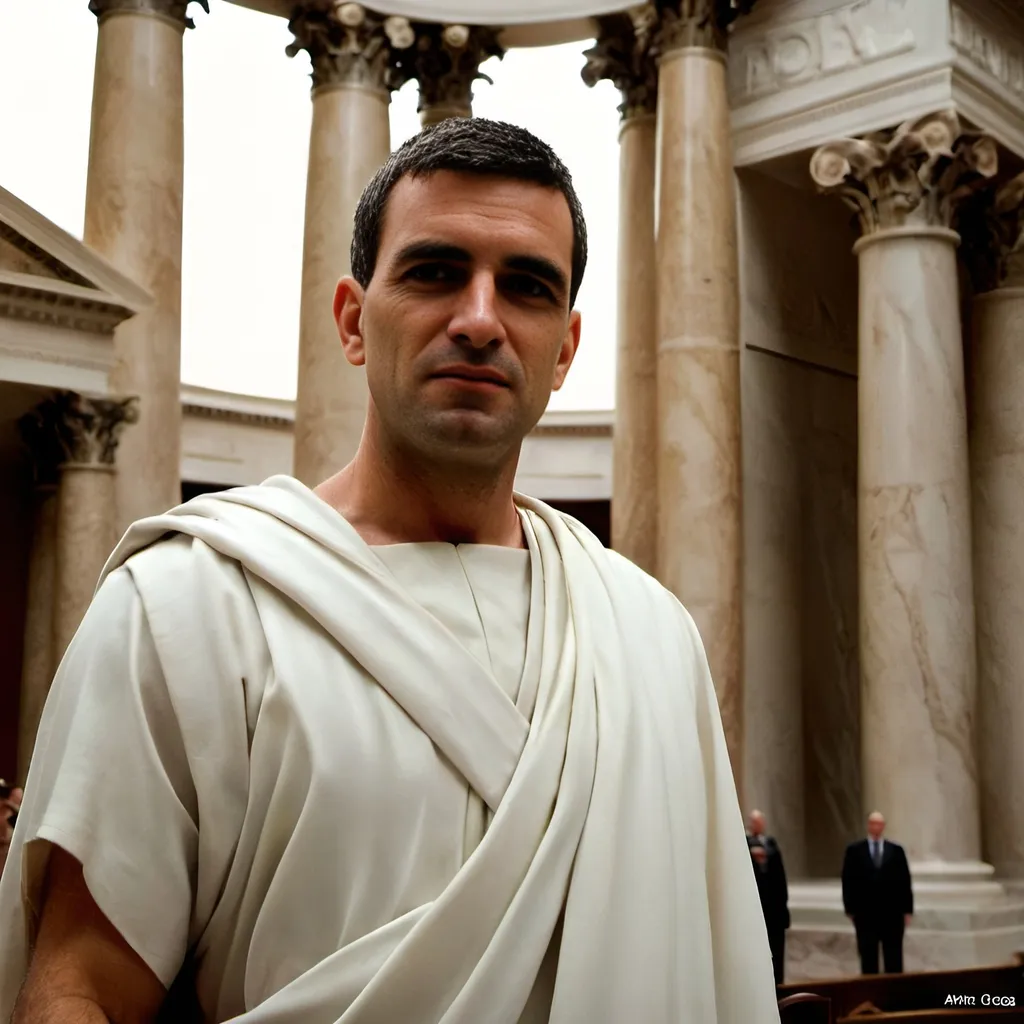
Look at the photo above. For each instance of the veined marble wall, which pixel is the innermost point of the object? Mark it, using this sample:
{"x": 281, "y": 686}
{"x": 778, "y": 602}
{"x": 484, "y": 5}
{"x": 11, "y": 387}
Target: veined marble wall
{"x": 831, "y": 679}
{"x": 799, "y": 323}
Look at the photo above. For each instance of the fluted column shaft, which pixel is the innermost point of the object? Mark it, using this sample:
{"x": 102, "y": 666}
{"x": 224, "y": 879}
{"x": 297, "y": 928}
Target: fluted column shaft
{"x": 133, "y": 217}
{"x": 623, "y": 55}
{"x": 86, "y": 535}
{"x": 918, "y": 683}
{"x": 699, "y": 553}
{"x": 352, "y": 52}
{"x": 635, "y": 441}
{"x": 89, "y": 430}
{"x": 349, "y": 140}
{"x": 916, "y": 601}
{"x": 997, "y": 467}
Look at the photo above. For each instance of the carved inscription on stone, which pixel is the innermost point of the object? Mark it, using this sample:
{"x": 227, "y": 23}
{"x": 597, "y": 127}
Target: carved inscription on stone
{"x": 1000, "y": 58}
{"x": 857, "y": 34}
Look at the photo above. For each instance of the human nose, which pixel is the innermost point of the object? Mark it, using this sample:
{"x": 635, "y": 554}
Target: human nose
{"x": 476, "y": 321}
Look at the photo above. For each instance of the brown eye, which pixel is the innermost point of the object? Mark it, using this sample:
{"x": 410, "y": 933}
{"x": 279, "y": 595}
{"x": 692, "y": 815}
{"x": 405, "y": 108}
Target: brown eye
{"x": 529, "y": 286}
{"x": 432, "y": 272}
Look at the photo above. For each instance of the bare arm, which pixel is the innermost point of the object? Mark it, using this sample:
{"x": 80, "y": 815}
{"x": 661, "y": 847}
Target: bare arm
{"x": 82, "y": 970}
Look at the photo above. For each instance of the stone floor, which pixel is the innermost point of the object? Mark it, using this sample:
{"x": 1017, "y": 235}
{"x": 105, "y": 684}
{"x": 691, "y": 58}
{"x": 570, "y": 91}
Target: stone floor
{"x": 977, "y": 926}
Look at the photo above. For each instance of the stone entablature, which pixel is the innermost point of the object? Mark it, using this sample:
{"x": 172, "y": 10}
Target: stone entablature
{"x": 59, "y": 304}
{"x": 802, "y": 72}
{"x": 243, "y": 439}
{"x": 811, "y": 70}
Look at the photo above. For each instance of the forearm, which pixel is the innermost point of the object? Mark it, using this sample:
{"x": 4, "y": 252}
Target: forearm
{"x": 32, "y": 1009}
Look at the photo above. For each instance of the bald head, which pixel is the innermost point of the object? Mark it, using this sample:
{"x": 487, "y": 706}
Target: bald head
{"x": 756, "y": 823}
{"x": 876, "y": 824}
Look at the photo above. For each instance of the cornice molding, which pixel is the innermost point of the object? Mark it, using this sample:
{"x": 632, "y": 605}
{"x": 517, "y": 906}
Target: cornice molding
{"x": 229, "y": 408}
{"x": 256, "y": 419}
{"x": 48, "y": 301}
{"x": 74, "y": 263}
{"x": 571, "y": 430}
{"x": 40, "y": 255}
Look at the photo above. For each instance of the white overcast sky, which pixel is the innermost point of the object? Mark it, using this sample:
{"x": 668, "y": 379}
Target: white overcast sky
{"x": 247, "y": 115}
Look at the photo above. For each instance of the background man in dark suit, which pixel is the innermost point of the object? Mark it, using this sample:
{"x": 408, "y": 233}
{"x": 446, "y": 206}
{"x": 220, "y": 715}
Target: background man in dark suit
{"x": 877, "y": 897}
{"x": 770, "y": 874}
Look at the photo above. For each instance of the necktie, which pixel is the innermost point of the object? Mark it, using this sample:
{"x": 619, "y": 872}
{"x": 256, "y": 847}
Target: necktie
{"x": 876, "y": 852}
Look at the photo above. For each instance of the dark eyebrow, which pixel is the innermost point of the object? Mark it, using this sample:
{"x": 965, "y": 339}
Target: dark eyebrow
{"x": 432, "y": 251}
{"x": 538, "y": 266}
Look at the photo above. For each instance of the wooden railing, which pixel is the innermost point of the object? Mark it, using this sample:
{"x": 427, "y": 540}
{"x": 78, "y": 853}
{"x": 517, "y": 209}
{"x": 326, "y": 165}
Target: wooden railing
{"x": 981, "y": 993}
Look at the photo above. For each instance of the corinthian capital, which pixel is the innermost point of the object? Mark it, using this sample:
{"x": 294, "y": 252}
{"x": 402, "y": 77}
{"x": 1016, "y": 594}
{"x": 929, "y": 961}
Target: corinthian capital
{"x": 698, "y": 22}
{"x": 991, "y": 226}
{"x": 350, "y": 45}
{"x": 915, "y": 175}
{"x": 172, "y": 10}
{"x": 446, "y": 60}
{"x": 624, "y": 54}
{"x": 69, "y": 427}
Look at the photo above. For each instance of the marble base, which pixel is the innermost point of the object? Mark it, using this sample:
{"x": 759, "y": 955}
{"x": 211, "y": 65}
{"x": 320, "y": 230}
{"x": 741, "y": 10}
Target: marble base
{"x": 980, "y": 925}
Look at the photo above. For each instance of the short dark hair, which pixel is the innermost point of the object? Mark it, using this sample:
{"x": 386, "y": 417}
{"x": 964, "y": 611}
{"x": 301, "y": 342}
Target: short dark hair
{"x": 469, "y": 145}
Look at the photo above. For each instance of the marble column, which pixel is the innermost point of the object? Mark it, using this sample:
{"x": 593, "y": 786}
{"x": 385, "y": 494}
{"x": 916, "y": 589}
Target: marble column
{"x": 352, "y": 53}
{"x": 993, "y": 230}
{"x": 39, "y": 434}
{"x": 133, "y": 217}
{"x": 918, "y": 681}
{"x": 89, "y": 430}
{"x": 623, "y": 55}
{"x": 700, "y": 531}
{"x": 446, "y": 62}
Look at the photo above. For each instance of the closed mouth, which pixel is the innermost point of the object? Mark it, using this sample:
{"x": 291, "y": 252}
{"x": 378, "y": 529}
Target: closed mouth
{"x": 472, "y": 378}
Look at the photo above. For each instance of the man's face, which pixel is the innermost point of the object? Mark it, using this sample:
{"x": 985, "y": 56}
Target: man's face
{"x": 876, "y": 826}
{"x": 465, "y": 328}
{"x": 757, "y": 823}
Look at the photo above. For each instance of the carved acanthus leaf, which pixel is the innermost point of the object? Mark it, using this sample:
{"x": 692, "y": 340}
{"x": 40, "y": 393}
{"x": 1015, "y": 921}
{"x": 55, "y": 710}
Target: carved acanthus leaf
{"x": 625, "y": 55}
{"x": 991, "y": 227}
{"x": 445, "y": 60}
{"x": 916, "y": 174}
{"x": 698, "y": 22}
{"x": 72, "y": 428}
{"x": 176, "y": 10}
{"x": 350, "y": 45}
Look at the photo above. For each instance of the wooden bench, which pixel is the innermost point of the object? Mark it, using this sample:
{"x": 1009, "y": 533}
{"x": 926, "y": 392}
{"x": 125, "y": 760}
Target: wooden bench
{"x": 900, "y": 993}
{"x": 805, "y": 1008}
{"x": 950, "y": 1015}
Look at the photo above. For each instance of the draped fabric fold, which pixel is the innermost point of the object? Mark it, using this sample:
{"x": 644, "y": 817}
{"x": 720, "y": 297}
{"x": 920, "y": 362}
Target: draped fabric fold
{"x": 615, "y": 827}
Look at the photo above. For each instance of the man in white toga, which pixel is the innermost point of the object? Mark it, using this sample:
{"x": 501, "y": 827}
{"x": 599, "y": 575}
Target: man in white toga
{"x": 409, "y": 748}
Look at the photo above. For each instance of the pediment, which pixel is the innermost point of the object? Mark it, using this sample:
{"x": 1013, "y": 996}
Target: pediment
{"x": 17, "y": 257}
{"x": 46, "y": 274}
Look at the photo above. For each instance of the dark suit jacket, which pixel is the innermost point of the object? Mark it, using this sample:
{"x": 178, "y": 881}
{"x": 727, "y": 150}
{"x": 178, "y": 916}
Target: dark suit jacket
{"x": 876, "y": 892}
{"x": 772, "y": 886}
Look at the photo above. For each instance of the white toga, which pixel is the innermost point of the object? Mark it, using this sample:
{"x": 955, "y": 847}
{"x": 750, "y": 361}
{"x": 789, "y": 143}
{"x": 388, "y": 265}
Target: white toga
{"x": 421, "y": 783}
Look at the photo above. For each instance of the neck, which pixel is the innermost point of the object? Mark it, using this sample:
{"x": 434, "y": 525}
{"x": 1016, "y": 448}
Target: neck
{"x": 392, "y": 498}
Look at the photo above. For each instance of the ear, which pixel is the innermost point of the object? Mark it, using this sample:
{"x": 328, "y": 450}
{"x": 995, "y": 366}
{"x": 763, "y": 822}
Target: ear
{"x": 567, "y": 352}
{"x": 348, "y": 312}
